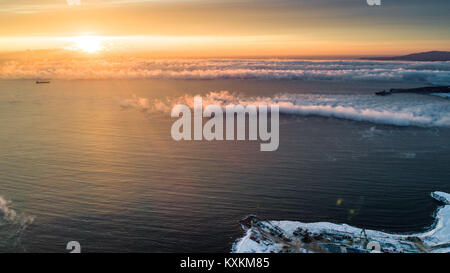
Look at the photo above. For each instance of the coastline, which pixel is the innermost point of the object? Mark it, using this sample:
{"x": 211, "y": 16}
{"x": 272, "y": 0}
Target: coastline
{"x": 324, "y": 237}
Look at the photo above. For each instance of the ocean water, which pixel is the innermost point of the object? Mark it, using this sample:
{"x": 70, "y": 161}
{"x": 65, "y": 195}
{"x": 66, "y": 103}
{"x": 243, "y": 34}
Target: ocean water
{"x": 93, "y": 161}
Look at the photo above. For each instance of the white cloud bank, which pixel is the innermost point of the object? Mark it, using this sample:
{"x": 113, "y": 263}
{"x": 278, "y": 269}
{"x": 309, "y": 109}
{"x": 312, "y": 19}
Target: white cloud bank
{"x": 134, "y": 68}
{"x": 398, "y": 110}
{"x": 11, "y": 216}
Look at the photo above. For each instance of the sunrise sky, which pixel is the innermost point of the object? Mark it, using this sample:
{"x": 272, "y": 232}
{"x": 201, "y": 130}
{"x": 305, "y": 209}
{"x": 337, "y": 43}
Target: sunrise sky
{"x": 226, "y": 27}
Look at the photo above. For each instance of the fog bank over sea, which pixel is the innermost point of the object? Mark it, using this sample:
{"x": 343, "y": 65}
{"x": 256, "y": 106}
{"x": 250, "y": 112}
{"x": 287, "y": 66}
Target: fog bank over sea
{"x": 427, "y": 73}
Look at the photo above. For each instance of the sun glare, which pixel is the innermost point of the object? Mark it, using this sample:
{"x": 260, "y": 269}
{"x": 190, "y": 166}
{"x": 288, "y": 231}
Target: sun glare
{"x": 90, "y": 44}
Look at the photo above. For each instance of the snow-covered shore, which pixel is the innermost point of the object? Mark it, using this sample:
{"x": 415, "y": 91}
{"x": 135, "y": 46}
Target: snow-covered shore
{"x": 293, "y": 236}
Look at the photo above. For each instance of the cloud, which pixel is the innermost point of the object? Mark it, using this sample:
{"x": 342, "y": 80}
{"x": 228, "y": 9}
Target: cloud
{"x": 73, "y": 2}
{"x": 398, "y": 110}
{"x": 205, "y": 69}
{"x": 11, "y": 216}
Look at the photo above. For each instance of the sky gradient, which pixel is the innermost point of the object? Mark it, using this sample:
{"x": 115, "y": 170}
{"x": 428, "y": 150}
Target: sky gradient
{"x": 229, "y": 27}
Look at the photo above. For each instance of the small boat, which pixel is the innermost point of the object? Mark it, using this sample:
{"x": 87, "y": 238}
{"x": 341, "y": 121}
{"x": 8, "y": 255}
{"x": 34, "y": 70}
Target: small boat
{"x": 382, "y": 93}
{"x": 42, "y": 81}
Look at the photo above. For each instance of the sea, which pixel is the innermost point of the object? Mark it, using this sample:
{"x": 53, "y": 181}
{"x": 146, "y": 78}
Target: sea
{"x": 89, "y": 157}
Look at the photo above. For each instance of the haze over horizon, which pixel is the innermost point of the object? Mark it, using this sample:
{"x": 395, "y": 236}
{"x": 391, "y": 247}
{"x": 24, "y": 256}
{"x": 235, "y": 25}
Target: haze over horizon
{"x": 201, "y": 28}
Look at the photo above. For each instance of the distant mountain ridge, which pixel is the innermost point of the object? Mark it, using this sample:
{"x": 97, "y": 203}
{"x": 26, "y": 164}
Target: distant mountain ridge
{"x": 429, "y": 56}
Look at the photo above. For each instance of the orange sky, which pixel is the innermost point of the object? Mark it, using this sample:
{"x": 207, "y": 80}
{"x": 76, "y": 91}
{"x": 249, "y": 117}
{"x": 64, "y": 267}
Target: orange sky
{"x": 226, "y": 28}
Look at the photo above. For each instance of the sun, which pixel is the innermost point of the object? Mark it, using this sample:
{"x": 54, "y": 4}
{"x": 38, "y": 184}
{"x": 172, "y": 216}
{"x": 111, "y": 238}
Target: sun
{"x": 90, "y": 44}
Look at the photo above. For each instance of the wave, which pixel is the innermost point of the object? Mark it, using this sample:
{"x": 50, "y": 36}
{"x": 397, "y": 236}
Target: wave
{"x": 206, "y": 69}
{"x": 292, "y": 236}
{"x": 398, "y": 110}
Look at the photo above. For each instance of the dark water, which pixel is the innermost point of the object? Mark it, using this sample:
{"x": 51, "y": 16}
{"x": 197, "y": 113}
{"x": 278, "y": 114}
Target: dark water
{"x": 113, "y": 179}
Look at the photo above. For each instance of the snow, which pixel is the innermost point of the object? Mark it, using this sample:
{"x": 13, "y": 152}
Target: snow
{"x": 293, "y": 236}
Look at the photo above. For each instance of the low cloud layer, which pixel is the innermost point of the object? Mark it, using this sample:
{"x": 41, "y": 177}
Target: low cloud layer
{"x": 133, "y": 68}
{"x": 398, "y": 110}
{"x": 11, "y": 216}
